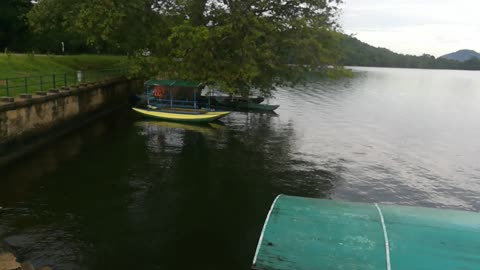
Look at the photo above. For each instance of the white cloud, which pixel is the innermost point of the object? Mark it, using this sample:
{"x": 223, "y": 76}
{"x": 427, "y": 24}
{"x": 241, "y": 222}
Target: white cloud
{"x": 415, "y": 27}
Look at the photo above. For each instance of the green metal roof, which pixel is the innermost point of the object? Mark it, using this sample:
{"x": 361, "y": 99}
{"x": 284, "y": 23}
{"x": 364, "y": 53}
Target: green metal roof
{"x": 173, "y": 83}
{"x": 302, "y": 233}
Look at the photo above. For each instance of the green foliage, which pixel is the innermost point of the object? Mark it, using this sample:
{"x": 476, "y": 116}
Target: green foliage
{"x": 16, "y": 35}
{"x": 254, "y": 44}
{"x": 110, "y": 26}
{"x": 357, "y": 53}
{"x": 14, "y": 27}
{"x": 239, "y": 45}
{"x": 472, "y": 64}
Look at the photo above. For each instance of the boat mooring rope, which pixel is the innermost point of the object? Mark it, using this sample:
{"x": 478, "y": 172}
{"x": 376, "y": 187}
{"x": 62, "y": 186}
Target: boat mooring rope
{"x": 385, "y": 235}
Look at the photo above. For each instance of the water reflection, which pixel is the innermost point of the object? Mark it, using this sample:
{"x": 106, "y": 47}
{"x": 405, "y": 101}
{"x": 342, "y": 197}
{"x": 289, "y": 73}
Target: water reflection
{"x": 400, "y": 136}
{"x": 130, "y": 188}
{"x": 208, "y": 129}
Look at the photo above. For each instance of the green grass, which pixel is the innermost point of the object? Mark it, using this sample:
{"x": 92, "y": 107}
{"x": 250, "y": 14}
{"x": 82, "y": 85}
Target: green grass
{"x": 40, "y": 69}
{"x": 21, "y": 65}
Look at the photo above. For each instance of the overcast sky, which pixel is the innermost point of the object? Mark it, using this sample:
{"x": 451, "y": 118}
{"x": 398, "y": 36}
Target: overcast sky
{"x": 435, "y": 27}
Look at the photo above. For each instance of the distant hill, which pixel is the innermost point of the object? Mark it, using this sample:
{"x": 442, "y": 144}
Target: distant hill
{"x": 357, "y": 53}
{"x": 462, "y": 55}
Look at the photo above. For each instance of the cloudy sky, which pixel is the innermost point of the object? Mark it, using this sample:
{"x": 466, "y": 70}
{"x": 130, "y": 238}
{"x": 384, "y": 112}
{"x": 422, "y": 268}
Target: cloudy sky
{"x": 435, "y": 27}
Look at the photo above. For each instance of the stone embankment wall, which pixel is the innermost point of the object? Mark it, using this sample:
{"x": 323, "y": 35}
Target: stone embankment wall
{"x": 28, "y": 122}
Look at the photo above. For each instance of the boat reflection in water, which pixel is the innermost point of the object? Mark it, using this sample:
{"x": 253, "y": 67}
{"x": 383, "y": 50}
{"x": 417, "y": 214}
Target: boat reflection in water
{"x": 208, "y": 129}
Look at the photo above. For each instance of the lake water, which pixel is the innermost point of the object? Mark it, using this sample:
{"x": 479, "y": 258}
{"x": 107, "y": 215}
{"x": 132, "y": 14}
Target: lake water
{"x": 125, "y": 193}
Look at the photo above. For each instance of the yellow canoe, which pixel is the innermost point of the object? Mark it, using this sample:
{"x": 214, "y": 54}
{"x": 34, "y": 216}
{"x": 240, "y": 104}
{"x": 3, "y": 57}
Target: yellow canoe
{"x": 201, "y": 117}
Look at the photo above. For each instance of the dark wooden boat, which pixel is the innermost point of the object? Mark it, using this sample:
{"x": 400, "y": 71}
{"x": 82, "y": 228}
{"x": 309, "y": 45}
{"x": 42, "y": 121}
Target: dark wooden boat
{"x": 243, "y": 104}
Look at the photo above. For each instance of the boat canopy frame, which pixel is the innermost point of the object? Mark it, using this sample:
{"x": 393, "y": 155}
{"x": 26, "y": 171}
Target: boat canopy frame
{"x": 174, "y": 83}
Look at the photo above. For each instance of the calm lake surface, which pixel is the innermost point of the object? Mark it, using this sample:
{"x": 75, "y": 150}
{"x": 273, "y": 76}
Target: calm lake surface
{"x": 125, "y": 193}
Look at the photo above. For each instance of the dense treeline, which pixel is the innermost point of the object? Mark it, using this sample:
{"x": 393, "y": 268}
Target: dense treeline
{"x": 237, "y": 44}
{"x": 17, "y": 36}
{"x": 357, "y": 53}
{"x": 240, "y": 45}
{"x": 13, "y": 24}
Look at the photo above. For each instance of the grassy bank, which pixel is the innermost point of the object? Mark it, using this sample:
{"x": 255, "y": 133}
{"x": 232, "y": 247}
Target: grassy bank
{"x": 21, "y": 65}
{"x": 40, "y": 69}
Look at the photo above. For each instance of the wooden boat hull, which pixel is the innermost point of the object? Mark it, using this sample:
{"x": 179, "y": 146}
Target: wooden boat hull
{"x": 182, "y": 117}
{"x": 204, "y": 99}
{"x": 245, "y": 105}
{"x": 257, "y": 107}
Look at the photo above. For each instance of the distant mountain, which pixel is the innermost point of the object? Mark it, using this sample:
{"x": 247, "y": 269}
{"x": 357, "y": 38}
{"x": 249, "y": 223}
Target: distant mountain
{"x": 462, "y": 55}
{"x": 357, "y": 53}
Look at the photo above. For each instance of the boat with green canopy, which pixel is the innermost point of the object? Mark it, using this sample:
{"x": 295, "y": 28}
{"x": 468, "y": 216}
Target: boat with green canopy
{"x": 303, "y": 233}
{"x": 176, "y": 100}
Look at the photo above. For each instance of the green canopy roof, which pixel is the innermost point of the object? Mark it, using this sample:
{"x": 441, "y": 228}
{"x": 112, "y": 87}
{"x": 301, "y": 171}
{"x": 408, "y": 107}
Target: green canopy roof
{"x": 303, "y": 234}
{"x": 173, "y": 83}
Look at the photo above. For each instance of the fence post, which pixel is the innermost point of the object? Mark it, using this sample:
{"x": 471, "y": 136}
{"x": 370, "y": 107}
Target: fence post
{"x": 8, "y": 90}
{"x": 41, "y": 83}
{"x": 79, "y": 76}
{"x": 54, "y": 84}
{"x": 26, "y": 85}
{"x": 65, "y": 79}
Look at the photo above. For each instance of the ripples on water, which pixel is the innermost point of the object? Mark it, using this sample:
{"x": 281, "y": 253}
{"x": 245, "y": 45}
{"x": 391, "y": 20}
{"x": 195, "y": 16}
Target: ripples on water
{"x": 129, "y": 193}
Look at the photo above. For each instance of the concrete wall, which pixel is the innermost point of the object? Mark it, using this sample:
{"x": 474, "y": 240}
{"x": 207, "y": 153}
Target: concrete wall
{"x": 26, "y": 124}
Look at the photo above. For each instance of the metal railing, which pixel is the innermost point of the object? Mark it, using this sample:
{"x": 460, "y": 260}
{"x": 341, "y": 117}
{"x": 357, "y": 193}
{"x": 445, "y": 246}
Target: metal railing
{"x": 11, "y": 87}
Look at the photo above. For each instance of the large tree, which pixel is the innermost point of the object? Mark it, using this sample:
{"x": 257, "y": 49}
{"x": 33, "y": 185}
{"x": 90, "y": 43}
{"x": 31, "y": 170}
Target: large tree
{"x": 238, "y": 44}
{"x": 14, "y": 34}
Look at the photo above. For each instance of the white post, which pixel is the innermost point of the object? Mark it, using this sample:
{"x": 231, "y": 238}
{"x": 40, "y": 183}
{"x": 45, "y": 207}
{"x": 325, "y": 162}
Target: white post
{"x": 79, "y": 76}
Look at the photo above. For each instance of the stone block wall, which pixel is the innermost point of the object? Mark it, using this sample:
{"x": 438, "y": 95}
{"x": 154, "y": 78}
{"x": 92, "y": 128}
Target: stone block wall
{"x": 30, "y": 122}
